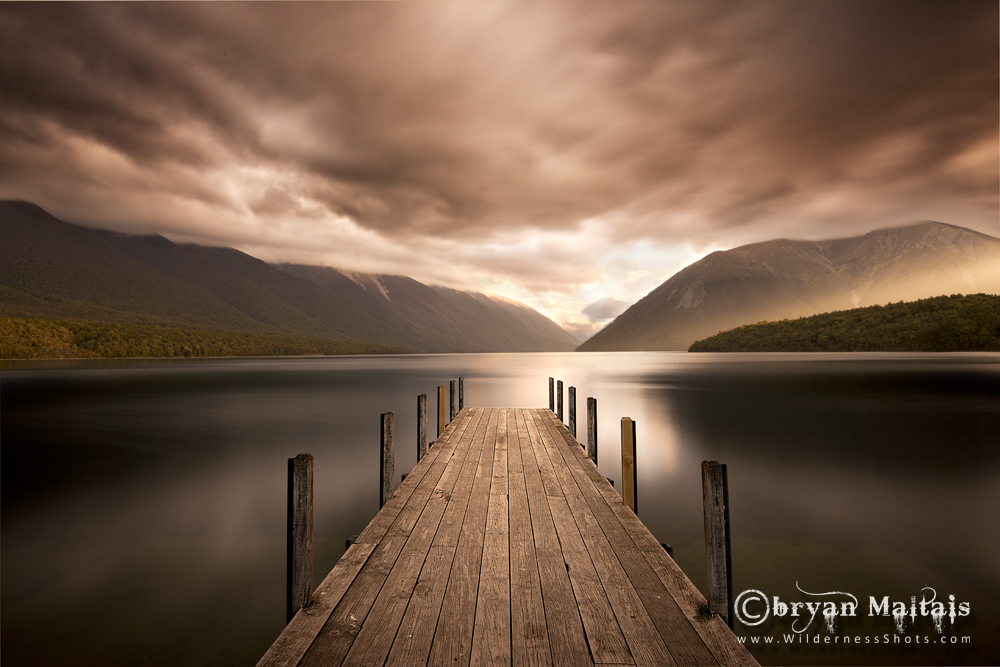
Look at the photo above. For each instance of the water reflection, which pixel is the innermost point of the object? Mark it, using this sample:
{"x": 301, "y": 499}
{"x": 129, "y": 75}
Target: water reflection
{"x": 143, "y": 504}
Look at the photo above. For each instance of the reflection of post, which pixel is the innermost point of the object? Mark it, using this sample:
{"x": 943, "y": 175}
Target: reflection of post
{"x": 559, "y": 405}
{"x": 451, "y": 402}
{"x": 552, "y": 394}
{"x": 629, "y": 491}
{"x": 571, "y": 424}
{"x": 715, "y": 491}
{"x": 421, "y": 426}
{"x": 388, "y": 458}
{"x": 461, "y": 394}
{"x": 441, "y": 407}
{"x": 592, "y": 429}
{"x": 300, "y": 532}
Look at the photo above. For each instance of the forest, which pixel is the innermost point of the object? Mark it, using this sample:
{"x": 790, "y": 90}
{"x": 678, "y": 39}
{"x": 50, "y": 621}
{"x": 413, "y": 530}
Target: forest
{"x": 939, "y": 324}
{"x": 72, "y": 339}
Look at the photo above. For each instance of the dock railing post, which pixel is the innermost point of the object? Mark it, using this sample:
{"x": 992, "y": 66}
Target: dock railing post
{"x": 715, "y": 492}
{"x": 441, "y": 409}
{"x": 461, "y": 394}
{"x": 421, "y": 426}
{"x": 559, "y": 400}
{"x": 388, "y": 459}
{"x": 571, "y": 424}
{"x": 300, "y": 532}
{"x": 451, "y": 411}
{"x": 592, "y": 429}
{"x": 552, "y": 394}
{"x": 630, "y": 495}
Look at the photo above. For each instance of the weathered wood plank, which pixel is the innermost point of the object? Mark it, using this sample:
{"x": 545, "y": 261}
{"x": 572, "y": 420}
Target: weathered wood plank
{"x": 379, "y": 630}
{"x": 604, "y": 637}
{"x": 567, "y": 640}
{"x": 529, "y": 635}
{"x": 685, "y": 645}
{"x": 336, "y": 638}
{"x": 298, "y": 635}
{"x": 453, "y": 641}
{"x": 413, "y": 640}
{"x": 717, "y": 636}
{"x": 491, "y": 636}
{"x": 378, "y": 527}
{"x": 644, "y": 641}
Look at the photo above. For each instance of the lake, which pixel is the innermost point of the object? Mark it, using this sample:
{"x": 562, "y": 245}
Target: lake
{"x": 143, "y": 501}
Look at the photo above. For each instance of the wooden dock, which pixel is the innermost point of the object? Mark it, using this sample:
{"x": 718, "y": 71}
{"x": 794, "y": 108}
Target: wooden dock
{"x": 506, "y": 545}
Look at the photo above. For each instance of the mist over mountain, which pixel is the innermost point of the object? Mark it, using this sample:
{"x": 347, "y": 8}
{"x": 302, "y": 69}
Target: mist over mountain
{"x": 50, "y": 269}
{"x": 784, "y": 278}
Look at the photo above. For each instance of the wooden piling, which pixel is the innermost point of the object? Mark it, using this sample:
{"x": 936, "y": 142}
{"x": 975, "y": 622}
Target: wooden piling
{"x": 552, "y": 394}
{"x": 592, "y": 429}
{"x": 571, "y": 423}
{"x": 300, "y": 532}
{"x": 441, "y": 409}
{"x": 451, "y": 402}
{"x": 421, "y": 426}
{"x": 715, "y": 492}
{"x": 630, "y": 495}
{"x": 559, "y": 400}
{"x": 461, "y": 394}
{"x": 388, "y": 459}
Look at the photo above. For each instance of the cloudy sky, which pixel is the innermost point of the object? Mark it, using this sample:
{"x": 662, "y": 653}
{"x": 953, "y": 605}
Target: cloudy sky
{"x": 568, "y": 154}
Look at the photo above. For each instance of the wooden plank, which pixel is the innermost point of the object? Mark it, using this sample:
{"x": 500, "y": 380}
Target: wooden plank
{"x": 453, "y": 640}
{"x": 338, "y": 634}
{"x": 491, "y": 636}
{"x": 529, "y": 635}
{"x": 415, "y": 636}
{"x": 379, "y": 630}
{"x": 717, "y": 636}
{"x": 378, "y": 527}
{"x": 604, "y": 637}
{"x": 567, "y": 641}
{"x": 298, "y": 635}
{"x": 685, "y": 645}
{"x": 640, "y": 633}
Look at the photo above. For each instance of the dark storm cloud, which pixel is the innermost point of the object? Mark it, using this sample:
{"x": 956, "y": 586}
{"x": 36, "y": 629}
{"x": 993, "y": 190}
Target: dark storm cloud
{"x": 463, "y": 127}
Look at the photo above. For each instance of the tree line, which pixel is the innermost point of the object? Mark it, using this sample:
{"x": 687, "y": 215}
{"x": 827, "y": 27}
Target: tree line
{"x": 939, "y": 324}
{"x": 68, "y": 339}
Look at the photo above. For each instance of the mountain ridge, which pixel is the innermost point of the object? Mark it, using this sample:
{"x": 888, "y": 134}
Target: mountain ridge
{"x": 51, "y": 269}
{"x": 786, "y": 278}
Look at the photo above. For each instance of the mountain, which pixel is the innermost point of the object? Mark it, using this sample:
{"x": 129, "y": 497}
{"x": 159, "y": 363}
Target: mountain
{"x": 784, "y": 279}
{"x": 442, "y": 319}
{"x": 50, "y": 270}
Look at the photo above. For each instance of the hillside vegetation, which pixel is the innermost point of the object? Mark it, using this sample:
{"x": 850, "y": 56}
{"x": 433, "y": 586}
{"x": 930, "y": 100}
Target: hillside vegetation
{"x": 940, "y": 324}
{"x": 45, "y": 339}
{"x": 51, "y": 271}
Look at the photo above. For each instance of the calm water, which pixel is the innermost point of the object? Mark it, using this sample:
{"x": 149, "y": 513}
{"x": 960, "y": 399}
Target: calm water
{"x": 143, "y": 502}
